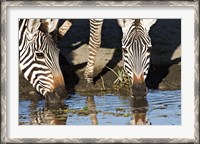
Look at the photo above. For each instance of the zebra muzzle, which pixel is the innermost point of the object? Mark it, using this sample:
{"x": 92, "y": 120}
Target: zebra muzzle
{"x": 138, "y": 89}
{"x": 57, "y": 96}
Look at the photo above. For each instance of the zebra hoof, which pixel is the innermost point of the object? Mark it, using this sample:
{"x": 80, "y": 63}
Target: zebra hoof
{"x": 90, "y": 85}
{"x": 90, "y": 82}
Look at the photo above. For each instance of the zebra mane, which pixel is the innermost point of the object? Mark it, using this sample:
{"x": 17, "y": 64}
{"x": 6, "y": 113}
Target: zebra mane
{"x": 137, "y": 22}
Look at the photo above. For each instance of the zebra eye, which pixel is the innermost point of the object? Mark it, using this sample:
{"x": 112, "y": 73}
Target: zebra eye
{"x": 149, "y": 49}
{"x": 125, "y": 51}
{"x": 40, "y": 55}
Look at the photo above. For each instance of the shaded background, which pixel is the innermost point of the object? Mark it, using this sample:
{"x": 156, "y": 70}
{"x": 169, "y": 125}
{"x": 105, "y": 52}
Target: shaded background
{"x": 165, "y": 68}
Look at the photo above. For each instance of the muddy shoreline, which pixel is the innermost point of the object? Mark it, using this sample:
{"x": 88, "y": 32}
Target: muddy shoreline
{"x": 159, "y": 77}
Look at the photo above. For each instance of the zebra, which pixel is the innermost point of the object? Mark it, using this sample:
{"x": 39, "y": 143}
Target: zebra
{"x": 136, "y": 47}
{"x": 39, "y": 58}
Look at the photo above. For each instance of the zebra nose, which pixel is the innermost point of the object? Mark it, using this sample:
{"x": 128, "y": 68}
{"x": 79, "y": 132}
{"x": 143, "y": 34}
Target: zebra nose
{"x": 61, "y": 92}
{"x": 57, "y": 96}
{"x": 139, "y": 89}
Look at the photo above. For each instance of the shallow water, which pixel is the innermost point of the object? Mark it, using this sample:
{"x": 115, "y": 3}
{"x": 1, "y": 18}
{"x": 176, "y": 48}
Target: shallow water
{"x": 159, "y": 108}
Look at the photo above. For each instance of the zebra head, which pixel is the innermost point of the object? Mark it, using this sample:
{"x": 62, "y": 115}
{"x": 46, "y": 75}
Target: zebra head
{"x": 136, "y": 46}
{"x": 39, "y": 58}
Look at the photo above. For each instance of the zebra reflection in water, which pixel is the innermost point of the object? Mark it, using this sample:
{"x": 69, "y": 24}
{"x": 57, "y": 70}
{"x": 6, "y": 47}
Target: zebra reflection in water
{"x": 50, "y": 115}
{"x": 139, "y": 112}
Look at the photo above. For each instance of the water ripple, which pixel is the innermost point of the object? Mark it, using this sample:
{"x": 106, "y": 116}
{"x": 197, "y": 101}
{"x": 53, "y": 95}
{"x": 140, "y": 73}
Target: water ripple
{"x": 160, "y": 108}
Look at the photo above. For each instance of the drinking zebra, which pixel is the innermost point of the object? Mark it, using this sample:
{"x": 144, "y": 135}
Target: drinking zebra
{"x": 136, "y": 47}
{"x": 39, "y": 58}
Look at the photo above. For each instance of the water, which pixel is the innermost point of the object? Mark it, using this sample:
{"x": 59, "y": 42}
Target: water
{"x": 159, "y": 108}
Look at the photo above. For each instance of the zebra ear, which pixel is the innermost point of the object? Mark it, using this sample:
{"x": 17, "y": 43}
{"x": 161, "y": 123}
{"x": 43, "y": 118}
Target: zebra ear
{"x": 147, "y": 23}
{"x": 125, "y": 25}
{"x": 124, "y": 22}
{"x": 48, "y": 25}
{"x": 33, "y": 25}
{"x": 52, "y": 25}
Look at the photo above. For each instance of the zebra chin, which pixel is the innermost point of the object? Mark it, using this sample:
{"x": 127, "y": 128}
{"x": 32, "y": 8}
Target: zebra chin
{"x": 139, "y": 89}
{"x": 57, "y": 96}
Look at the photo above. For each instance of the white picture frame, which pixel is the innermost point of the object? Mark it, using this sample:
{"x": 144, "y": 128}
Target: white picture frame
{"x": 10, "y": 7}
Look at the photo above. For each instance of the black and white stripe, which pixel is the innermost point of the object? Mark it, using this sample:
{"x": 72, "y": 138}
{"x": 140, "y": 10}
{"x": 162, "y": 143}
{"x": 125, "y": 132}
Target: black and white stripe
{"x": 38, "y": 58}
{"x": 94, "y": 44}
{"x": 136, "y": 45}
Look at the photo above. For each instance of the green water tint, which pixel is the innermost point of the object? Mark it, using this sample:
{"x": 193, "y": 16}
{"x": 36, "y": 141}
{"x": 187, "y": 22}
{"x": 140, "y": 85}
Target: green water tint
{"x": 160, "y": 108}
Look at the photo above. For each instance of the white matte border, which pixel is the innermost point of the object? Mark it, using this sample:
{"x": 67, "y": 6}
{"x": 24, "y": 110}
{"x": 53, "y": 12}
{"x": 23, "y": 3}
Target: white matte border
{"x": 186, "y": 130}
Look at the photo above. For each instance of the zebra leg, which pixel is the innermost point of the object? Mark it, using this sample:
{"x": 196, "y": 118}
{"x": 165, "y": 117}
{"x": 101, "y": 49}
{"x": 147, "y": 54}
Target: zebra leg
{"x": 64, "y": 28}
{"x": 94, "y": 44}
